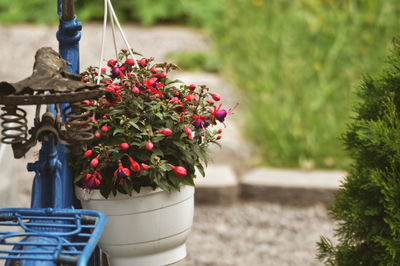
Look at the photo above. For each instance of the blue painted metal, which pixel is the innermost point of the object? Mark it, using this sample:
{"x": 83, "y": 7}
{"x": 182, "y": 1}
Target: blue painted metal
{"x": 83, "y": 228}
{"x": 52, "y": 230}
{"x": 68, "y": 36}
{"x": 47, "y": 187}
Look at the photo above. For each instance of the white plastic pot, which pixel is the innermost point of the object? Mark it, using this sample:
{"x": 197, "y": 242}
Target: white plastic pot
{"x": 147, "y": 229}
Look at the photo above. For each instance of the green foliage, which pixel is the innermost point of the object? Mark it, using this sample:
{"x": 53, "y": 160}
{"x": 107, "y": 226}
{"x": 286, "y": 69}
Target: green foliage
{"x": 193, "y": 12}
{"x": 39, "y": 11}
{"x": 296, "y": 62}
{"x": 367, "y": 205}
{"x": 146, "y": 126}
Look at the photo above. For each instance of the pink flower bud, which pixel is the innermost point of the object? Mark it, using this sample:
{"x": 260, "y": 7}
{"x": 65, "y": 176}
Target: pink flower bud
{"x": 111, "y": 62}
{"x": 87, "y": 102}
{"x": 188, "y": 131}
{"x": 135, "y": 90}
{"x": 219, "y": 137}
{"x": 216, "y": 97}
{"x": 153, "y": 70}
{"x": 94, "y": 162}
{"x": 97, "y": 134}
{"x": 104, "y": 128}
{"x": 190, "y": 137}
{"x": 142, "y": 62}
{"x": 88, "y": 153}
{"x": 219, "y": 131}
{"x": 166, "y": 131}
{"x": 86, "y": 178}
{"x": 135, "y": 167}
{"x": 149, "y": 146}
{"x": 124, "y": 146}
{"x": 179, "y": 171}
{"x": 145, "y": 166}
{"x": 156, "y": 159}
{"x": 129, "y": 61}
{"x": 192, "y": 87}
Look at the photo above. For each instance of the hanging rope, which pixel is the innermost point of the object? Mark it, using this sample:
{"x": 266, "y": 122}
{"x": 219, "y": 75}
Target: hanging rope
{"x": 108, "y": 9}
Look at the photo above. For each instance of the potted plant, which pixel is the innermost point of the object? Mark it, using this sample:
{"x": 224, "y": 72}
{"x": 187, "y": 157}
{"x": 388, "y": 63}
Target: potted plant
{"x": 151, "y": 133}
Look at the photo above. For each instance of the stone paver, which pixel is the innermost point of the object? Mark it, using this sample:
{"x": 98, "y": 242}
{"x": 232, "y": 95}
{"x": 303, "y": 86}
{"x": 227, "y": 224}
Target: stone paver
{"x": 295, "y": 187}
{"x": 220, "y": 186}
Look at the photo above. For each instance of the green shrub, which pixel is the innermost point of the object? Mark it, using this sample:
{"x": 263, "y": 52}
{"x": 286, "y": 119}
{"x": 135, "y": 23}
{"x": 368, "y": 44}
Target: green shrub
{"x": 367, "y": 206}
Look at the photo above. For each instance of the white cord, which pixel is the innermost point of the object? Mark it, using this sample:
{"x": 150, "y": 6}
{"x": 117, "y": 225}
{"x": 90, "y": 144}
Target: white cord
{"x": 102, "y": 42}
{"x": 113, "y": 33}
{"x": 122, "y": 33}
{"x": 113, "y": 17}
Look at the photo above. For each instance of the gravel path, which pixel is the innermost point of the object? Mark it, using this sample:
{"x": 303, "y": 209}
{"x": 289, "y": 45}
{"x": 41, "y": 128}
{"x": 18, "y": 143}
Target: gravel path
{"x": 256, "y": 234}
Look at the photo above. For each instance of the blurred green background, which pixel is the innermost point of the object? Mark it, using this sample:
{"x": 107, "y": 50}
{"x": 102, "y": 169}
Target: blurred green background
{"x": 296, "y": 62}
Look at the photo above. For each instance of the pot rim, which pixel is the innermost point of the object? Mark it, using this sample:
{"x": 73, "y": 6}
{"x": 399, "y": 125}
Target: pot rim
{"x": 95, "y": 194}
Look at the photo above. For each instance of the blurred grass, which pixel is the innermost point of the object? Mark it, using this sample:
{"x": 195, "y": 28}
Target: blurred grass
{"x": 195, "y": 61}
{"x": 295, "y": 61}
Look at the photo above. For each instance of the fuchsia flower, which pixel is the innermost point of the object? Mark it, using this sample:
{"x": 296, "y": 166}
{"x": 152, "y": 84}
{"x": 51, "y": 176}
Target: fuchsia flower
{"x": 160, "y": 75}
{"x": 175, "y": 100}
{"x": 87, "y": 102}
{"x": 200, "y": 121}
{"x": 220, "y": 115}
{"x": 135, "y": 167}
{"x": 121, "y": 174}
{"x": 216, "y": 97}
{"x": 124, "y": 146}
{"x": 149, "y": 146}
{"x": 111, "y": 62}
{"x": 129, "y": 62}
{"x": 91, "y": 180}
{"x": 142, "y": 62}
{"x": 104, "y": 128}
{"x": 94, "y": 162}
{"x": 88, "y": 153}
{"x": 148, "y": 83}
{"x": 190, "y": 98}
{"x": 135, "y": 90}
{"x": 179, "y": 171}
{"x": 188, "y": 131}
{"x": 166, "y": 131}
{"x": 151, "y": 86}
{"x": 145, "y": 166}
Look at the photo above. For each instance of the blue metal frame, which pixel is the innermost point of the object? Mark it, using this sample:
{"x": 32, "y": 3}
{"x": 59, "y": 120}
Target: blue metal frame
{"x": 53, "y": 231}
{"x": 50, "y": 235}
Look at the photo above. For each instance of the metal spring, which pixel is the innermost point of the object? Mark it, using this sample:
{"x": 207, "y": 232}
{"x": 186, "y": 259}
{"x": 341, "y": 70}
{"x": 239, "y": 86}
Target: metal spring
{"x": 14, "y": 125}
{"x": 77, "y": 123}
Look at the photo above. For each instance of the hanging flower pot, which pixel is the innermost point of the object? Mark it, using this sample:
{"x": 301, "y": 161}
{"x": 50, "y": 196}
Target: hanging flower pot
{"x": 146, "y": 228}
{"x": 151, "y": 135}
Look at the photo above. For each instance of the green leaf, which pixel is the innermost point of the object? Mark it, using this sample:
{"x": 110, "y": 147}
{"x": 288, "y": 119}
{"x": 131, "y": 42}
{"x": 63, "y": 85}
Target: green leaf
{"x": 201, "y": 169}
{"x": 118, "y": 130}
